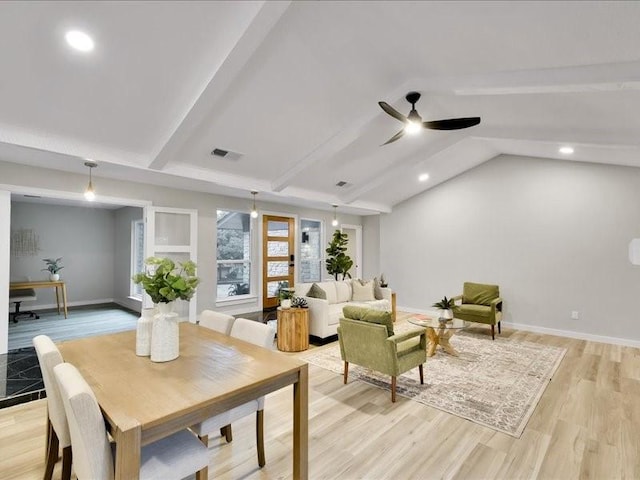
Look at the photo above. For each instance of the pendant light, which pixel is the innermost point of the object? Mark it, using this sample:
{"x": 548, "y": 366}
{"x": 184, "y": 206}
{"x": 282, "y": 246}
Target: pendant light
{"x": 254, "y": 210}
{"x": 89, "y": 193}
{"x": 334, "y": 222}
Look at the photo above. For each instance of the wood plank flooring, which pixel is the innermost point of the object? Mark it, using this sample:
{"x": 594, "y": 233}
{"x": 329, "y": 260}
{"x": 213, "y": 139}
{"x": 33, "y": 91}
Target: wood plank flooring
{"x": 586, "y": 426}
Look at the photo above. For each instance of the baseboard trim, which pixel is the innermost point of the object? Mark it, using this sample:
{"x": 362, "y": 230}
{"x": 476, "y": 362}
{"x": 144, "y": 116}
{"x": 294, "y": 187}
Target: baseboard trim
{"x": 551, "y": 331}
{"x": 80, "y": 303}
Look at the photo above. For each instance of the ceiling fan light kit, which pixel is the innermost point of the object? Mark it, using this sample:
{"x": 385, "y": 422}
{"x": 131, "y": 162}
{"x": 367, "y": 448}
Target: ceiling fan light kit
{"x": 413, "y": 122}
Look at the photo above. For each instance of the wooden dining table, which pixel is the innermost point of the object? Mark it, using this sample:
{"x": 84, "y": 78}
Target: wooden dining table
{"x": 144, "y": 401}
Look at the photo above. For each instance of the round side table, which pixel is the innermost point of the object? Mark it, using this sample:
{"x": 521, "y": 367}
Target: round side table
{"x": 293, "y": 329}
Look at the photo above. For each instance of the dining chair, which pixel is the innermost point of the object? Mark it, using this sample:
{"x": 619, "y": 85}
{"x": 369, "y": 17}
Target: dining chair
{"x": 220, "y": 322}
{"x": 173, "y": 457}
{"x": 57, "y": 429}
{"x": 259, "y": 334}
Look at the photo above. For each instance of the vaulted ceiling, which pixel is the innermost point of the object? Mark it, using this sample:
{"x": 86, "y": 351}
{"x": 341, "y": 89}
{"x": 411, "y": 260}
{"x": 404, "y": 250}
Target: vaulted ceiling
{"x": 293, "y": 88}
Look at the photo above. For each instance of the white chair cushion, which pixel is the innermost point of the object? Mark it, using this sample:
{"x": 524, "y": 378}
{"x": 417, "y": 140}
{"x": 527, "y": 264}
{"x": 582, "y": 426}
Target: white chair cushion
{"x": 174, "y": 457}
{"x": 223, "y": 419}
{"x": 220, "y": 322}
{"x": 257, "y": 333}
{"x": 49, "y": 356}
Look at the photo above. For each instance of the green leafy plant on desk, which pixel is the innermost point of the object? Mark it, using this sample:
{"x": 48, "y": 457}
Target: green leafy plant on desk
{"x": 53, "y": 267}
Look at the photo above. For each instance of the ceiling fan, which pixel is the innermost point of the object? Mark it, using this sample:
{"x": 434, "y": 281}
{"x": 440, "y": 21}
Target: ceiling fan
{"x": 413, "y": 122}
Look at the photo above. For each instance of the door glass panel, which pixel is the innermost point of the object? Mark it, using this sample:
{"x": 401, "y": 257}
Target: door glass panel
{"x": 278, "y": 229}
{"x": 172, "y": 229}
{"x": 278, "y": 269}
{"x": 278, "y": 249}
{"x": 310, "y": 251}
{"x": 274, "y": 287}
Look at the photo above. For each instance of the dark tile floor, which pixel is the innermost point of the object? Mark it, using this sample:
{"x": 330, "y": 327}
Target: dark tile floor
{"x": 23, "y": 382}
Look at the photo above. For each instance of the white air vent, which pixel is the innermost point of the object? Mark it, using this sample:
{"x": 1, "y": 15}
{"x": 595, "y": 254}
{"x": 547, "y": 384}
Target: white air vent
{"x": 226, "y": 154}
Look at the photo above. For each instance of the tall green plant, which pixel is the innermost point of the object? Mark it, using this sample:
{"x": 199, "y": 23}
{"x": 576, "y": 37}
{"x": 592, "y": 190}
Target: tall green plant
{"x": 338, "y": 262}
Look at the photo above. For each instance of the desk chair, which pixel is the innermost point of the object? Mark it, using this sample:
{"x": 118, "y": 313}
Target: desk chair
{"x": 19, "y": 296}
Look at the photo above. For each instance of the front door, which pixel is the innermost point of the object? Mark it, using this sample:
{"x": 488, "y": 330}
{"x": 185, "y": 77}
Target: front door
{"x": 278, "y": 234}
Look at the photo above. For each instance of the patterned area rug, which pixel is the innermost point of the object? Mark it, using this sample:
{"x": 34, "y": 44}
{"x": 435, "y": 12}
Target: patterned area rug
{"x": 493, "y": 383}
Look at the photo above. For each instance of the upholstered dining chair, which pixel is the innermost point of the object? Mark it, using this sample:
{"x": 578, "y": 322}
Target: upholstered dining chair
{"x": 367, "y": 339}
{"x": 480, "y": 303}
{"x": 57, "y": 429}
{"x": 220, "y": 322}
{"x": 259, "y": 334}
{"x": 173, "y": 457}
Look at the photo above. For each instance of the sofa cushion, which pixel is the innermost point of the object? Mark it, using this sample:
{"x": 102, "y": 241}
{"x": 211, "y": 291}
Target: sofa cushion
{"x": 377, "y": 292}
{"x": 334, "y": 313}
{"x": 365, "y": 314}
{"x": 383, "y": 305}
{"x": 479, "y": 293}
{"x": 316, "y": 292}
{"x": 470, "y": 309}
{"x": 362, "y": 291}
{"x": 343, "y": 291}
{"x": 330, "y": 290}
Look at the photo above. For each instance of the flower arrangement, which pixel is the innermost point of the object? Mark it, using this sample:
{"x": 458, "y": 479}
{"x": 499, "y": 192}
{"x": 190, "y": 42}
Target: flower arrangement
{"x": 165, "y": 282}
{"x": 53, "y": 265}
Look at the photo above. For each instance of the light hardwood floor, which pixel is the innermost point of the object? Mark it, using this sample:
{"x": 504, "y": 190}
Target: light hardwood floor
{"x": 586, "y": 426}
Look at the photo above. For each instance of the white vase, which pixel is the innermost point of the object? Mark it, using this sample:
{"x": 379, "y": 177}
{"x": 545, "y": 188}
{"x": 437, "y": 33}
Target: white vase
{"x": 165, "y": 334}
{"x": 54, "y": 277}
{"x": 285, "y": 303}
{"x": 446, "y": 314}
{"x": 143, "y": 332}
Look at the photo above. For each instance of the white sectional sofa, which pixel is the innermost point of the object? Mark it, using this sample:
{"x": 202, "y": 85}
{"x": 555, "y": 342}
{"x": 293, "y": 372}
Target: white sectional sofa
{"x": 324, "y": 315}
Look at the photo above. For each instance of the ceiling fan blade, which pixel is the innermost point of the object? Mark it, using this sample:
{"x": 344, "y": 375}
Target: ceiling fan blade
{"x": 392, "y": 111}
{"x": 395, "y": 137}
{"x": 452, "y": 123}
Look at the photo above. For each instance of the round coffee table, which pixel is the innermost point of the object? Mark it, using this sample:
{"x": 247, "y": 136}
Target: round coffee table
{"x": 439, "y": 333}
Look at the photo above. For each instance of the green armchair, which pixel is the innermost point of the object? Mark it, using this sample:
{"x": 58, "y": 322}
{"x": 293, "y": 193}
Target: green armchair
{"x": 480, "y": 303}
{"x": 366, "y": 338}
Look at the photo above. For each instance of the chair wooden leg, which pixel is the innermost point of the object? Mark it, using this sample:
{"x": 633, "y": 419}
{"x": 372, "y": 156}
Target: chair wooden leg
{"x": 346, "y": 371}
{"x": 204, "y": 473}
{"x": 226, "y": 432}
{"x": 52, "y": 452}
{"x": 48, "y": 439}
{"x": 421, "y": 374}
{"x": 66, "y": 463}
{"x": 260, "y": 437}
{"x": 499, "y": 327}
{"x": 493, "y": 332}
{"x": 393, "y": 389}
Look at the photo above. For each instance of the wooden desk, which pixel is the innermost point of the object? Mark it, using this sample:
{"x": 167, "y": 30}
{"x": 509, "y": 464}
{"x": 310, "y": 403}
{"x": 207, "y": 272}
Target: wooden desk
{"x": 61, "y": 290}
{"x": 144, "y": 401}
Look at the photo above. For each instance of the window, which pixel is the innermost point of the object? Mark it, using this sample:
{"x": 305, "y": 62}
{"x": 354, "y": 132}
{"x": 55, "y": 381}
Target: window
{"x": 310, "y": 251}
{"x": 233, "y": 254}
{"x": 137, "y": 255}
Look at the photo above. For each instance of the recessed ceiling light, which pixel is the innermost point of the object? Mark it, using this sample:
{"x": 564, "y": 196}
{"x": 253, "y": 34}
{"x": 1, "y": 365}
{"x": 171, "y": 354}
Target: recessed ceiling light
{"x": 424, "y": 177}
{"x": 79, "y": 40}
{"x": 566, "y": 150}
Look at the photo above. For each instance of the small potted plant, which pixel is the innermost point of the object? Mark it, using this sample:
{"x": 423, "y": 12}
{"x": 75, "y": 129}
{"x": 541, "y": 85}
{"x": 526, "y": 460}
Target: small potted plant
{"x": 383, "y": 281}
{"x": 444, "y": 307}
{"x": 285, "y": 295}
{"x": 299, "y": 302}
{"x": 53, "y": 267}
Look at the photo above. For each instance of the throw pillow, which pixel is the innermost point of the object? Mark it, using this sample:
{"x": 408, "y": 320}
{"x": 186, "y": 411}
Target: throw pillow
{"x": 365, "y": 314}
{"x": 362, "y": 292}
{"x": 316, "y": 292}
{"x": 377, "y": 292}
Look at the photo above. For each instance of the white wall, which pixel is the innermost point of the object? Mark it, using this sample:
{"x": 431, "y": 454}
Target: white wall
{"x": 123, "y": 217}
{"x": 553, "y": 234}
{"x": 371, "y": 246}
{"x": 83, "y": 237}
{"x": 206, "y": 204}
{"x": 5, "y": 225}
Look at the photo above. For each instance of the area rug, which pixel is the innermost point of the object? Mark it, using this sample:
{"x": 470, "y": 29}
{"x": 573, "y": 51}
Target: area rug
{"x": 493, "y": 383}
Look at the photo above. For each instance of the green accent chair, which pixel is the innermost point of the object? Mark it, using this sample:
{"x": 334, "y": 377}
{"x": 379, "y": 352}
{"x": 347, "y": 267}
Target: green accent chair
{"x": 481, "y": 303}
{"x": 366, "y": 338}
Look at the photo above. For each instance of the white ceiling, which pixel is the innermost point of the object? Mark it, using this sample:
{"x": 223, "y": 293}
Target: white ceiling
{"x": 294, "y": 86}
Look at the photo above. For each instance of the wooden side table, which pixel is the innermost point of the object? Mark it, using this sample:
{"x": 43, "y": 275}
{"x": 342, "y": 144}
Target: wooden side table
{"x": 293, "y": 329}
